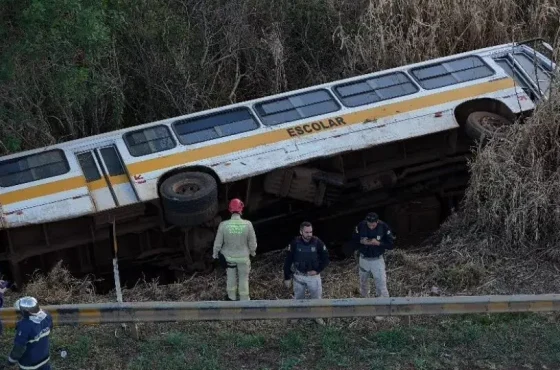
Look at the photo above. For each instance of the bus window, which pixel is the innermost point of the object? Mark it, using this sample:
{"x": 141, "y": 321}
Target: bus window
{"x": 534, "y": 70}
{"x": 506, "y": 66}
{"x": 149, "y": 140}
{"x": 213, "y": 126}
{"x": 112, "y": 161}
{"x": 375, "y": 89}
{"x": 33, "y": 167}
{"x": 294, "y": 107}
{"x": 451, "y": 72}
{"x": 89, "y": 167}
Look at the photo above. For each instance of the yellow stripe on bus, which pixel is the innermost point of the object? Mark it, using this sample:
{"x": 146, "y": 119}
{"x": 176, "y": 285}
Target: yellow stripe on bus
{"x": 102, "y": 183}
{"x": 117, "y": 180}
{"x": 97, "y": 184}
{"x": 310, "y": 128}
{"x": 193, "y": 155}
{"x": 42, "y": 190}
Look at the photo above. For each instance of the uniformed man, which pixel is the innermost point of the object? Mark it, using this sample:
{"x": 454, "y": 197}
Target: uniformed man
{"x": 307, "y": 257}
{"x": 235, "y": 241}
{"x": 31, "y": 344}
{"x": 373, "y": 237}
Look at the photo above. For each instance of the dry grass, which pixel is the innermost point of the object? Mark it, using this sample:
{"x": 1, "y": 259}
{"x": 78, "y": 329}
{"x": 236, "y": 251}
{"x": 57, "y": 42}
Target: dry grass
{"x": 515, "y": 183}
{"x": 157, "y": 60}
{"x": 60, "y": 287}
{"x": 398, "y": 32}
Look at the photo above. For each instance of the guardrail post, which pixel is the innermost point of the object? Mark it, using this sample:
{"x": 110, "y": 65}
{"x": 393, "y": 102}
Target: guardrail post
{"x": 133, "y": 328}
{"x": 409, "y": 318}
{"x": 116, "y": 264}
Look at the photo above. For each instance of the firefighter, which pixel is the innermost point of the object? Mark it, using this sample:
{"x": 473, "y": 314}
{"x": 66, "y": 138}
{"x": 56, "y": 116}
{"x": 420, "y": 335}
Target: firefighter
{"x": 32, "y": 341}
{"x": 308, "y": 256}
{"x": 235, "y": 241}
{"x": 372, "y": 238}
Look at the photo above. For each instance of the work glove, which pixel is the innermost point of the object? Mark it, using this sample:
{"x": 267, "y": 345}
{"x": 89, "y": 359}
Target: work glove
{"x": 288, "y": 283}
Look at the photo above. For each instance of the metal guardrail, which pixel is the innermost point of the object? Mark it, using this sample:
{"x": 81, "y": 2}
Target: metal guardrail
{"x": 135, "y": 312}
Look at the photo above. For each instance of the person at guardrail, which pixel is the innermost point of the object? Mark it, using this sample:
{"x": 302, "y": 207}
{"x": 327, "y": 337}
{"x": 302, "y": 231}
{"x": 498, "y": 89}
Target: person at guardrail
{"x": 3, "y": 288}
{"x": 4, "y": 285}
{"x": 31, "y": 348}
{"x": 307, "y": 257}
{"x": 372, "y": 238}
{"x": 235, "y": 241}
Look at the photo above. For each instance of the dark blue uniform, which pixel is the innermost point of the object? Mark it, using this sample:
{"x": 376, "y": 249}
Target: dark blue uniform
{"x": 306, "y": 256}
{"x": 31, "y": 344}
{"x": 382, "y": 233}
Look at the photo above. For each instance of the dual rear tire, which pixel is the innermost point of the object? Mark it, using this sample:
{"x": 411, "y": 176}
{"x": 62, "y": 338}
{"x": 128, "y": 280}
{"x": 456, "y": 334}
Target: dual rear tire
{"x": 189, "y": 198}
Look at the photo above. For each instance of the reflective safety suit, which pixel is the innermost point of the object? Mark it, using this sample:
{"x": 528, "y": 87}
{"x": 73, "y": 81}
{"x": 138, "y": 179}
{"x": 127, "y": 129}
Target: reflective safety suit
{"x": 31, "y": 345}
{"x": 236, "y": 240}
{"x": 371, "y": 261}
{"x": 306, "y": 256}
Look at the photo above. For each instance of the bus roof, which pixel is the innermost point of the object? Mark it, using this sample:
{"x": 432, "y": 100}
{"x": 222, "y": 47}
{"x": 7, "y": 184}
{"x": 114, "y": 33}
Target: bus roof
{"x": 110, "y": 134}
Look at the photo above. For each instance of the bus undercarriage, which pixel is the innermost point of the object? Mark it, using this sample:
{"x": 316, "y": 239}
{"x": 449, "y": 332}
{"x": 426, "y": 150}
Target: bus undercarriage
{"x": 413, "y": 184}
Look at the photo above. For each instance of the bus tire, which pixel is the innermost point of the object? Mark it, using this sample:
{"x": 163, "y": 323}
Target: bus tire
{"x": 482, "y": 125}
{"x": 188, "y": 194}
{"x": 184, "y": 219}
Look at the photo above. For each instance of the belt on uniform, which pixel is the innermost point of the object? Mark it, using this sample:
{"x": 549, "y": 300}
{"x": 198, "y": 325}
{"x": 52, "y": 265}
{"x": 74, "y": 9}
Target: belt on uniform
{"x": 297, "y": 272}
{"x": 371, "y": 258}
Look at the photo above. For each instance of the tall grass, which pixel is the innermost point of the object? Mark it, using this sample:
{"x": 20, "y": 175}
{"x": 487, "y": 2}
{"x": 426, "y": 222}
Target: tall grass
{"x": 514, "y": 188}
{"x": 75, "y": 68}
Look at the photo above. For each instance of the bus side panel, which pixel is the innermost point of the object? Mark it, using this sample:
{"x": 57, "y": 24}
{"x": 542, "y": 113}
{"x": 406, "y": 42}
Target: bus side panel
{"x": 359, "y": 129}
{"x": 357, "y": 137}
{"x": 366, "y": 136}
{"x": 55, "y": 198}
{"x": 517, "y": 101}
{"x": 64, "y": 205}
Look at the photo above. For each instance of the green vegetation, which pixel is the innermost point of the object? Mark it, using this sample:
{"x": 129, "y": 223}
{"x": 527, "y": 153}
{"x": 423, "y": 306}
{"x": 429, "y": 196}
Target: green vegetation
{"x": 459, "y": 342}
{"x": 73, "y": 68}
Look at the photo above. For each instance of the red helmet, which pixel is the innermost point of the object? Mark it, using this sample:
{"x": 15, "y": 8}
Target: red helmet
{"x": 236, "y": 205}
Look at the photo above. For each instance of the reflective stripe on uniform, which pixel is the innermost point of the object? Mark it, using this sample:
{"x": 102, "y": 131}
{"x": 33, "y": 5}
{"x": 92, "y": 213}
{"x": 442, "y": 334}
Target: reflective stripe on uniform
{"x": 40, "y": 336}
{"x": 43, "y": 363}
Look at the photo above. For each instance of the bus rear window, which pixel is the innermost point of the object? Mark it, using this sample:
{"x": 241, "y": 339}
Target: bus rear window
{"x": 507, "y": 67}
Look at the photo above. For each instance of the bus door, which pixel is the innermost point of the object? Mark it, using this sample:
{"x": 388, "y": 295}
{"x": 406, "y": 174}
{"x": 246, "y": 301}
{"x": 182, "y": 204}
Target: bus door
{"x": 108, "y": 183}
